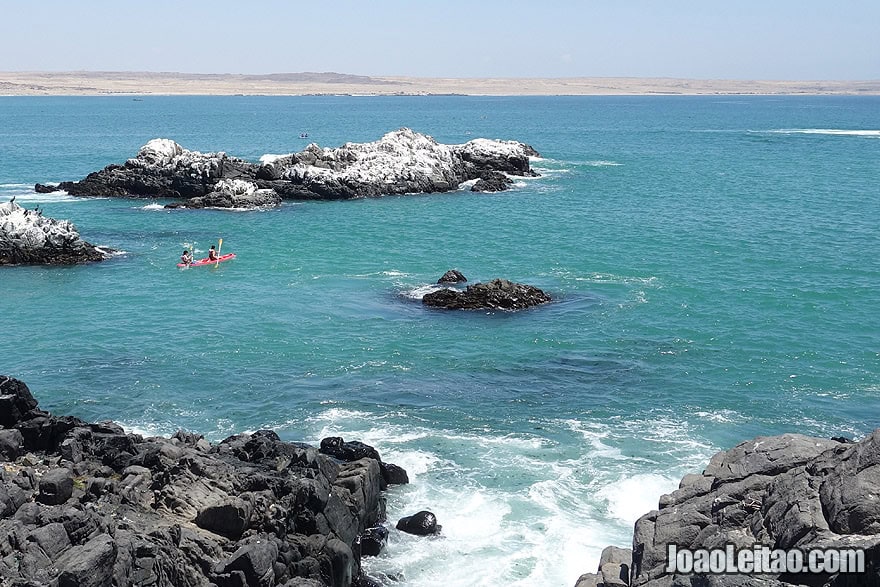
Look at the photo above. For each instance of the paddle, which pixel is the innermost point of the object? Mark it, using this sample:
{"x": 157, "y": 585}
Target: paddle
{"x": 219, "y": 246}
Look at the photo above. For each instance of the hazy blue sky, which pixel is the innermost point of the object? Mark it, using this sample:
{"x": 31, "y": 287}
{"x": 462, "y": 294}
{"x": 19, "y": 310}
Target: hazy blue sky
{"x": 733, "y": 39}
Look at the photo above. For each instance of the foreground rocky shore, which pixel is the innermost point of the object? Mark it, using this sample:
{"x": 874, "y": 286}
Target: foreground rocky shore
{"x": 784, "y": 492}
{"x": 86, "y": 504}
{"x": 401, "y": 162}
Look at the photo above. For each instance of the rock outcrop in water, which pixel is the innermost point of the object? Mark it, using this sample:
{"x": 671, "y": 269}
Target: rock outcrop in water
{"x": 233, "y": 193}
{"x": 452, "y": 276}
{"x": 784, "y": 492}
{"x": 498, "y": 294}
{"x": 29, "y": 238}
{"x": 87, "y": 504}
{"x": 401, "y": 162}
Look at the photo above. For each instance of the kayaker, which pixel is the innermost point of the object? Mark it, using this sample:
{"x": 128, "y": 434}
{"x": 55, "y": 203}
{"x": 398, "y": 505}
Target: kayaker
{"x": 212, "y": 254}
{"x": 186, "y": 258}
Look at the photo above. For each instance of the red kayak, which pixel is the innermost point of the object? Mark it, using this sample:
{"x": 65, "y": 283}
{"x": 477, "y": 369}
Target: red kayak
{"x": 207, "y": 261}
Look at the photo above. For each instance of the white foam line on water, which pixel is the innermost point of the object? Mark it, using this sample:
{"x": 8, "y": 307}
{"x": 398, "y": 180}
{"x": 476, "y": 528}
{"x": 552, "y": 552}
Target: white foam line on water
{"x": 826, "y": 131}
{"x": 386, "y": 273}
{"x": 610, "y": 278}
{"x": 31, "y": 197}
{"x": 545, "y": 171}
{"x": 419, "y": 292}
{"x": 602, "y": 163}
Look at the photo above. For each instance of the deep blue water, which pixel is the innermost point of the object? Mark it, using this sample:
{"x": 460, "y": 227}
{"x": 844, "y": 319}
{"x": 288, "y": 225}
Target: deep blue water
{"x": 713, "y": 260}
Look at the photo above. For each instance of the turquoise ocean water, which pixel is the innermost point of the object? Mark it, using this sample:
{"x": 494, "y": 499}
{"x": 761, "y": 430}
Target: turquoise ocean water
{"x": 714, "y": 264}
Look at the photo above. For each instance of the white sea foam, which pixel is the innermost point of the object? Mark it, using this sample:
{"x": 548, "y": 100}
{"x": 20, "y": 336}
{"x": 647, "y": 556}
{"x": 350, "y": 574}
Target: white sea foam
{"x": 545, "y": 171}
{"x": 650, "y": 281}
{"x": 387, "y": 273}
{"x": 270, "y": 158}
{"x": 152, "y": 207}
{"x": 146, "y": 429}
{"x": 602, "y": 163}
{"x": 419, "y": 292}
{"x": 25, "y": 194}
{"x": 719, "y": 416}
{"x": 514, "y": 509}
{"x": 827, "y": 131}
{"x": 340, "y": 415}
{"x": 632, "y": 496}
{"x": 53, "y": 198}
{"x": 111, "y": 253}
{"x": 364, "y": 365}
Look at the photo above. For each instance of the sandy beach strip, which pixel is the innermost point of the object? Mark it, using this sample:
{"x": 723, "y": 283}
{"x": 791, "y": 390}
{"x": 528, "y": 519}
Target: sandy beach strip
{"x": 86, "y": 83}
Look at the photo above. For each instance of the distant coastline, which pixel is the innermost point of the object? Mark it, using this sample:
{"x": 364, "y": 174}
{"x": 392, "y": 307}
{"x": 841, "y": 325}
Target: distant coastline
{"x": 87, "y": 83}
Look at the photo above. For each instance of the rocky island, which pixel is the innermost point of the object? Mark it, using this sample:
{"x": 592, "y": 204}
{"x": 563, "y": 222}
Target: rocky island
{"x": 497, "y": 294}
{"x": 29, "y": 238}
{"x": 401, "y": 162}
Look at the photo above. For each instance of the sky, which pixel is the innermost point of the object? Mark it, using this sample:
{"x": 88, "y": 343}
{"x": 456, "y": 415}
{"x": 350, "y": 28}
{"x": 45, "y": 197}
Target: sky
{"x": 699, "y": 39}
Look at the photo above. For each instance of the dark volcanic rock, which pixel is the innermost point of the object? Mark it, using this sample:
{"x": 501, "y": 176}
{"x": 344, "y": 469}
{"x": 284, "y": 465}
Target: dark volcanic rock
{"x": 230, "y": 518}
{"x": 11, "y": 444}
{"x": 783, "y": 492}
{"x": 498, "y": 294}
{"x": 401, "y": 162}
{"x": 452, "y": 276}
{"x": 42, "y": 188}
{"x": 492, "y": 181}
{"x": 87, "y": 504}
{"x": 56, "y": 487}
{"x": 393, "y": 474}
{"x": 421, "y": 523}
{"x": 29, "y": 238}
{"x": 347, "y": 451}
{"x": 374, "y": 540}
{"x": 162, "y": 169}
{"x": 15, "y": 401}
{"x": 338, "y": 448}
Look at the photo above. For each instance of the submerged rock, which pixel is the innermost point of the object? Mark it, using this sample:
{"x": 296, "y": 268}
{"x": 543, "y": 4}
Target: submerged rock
{"x": 165, "y": 512}
{"x": 498, "y": 294}
{"x": 29, "y": 238}
{"x": 401, "y": 162}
